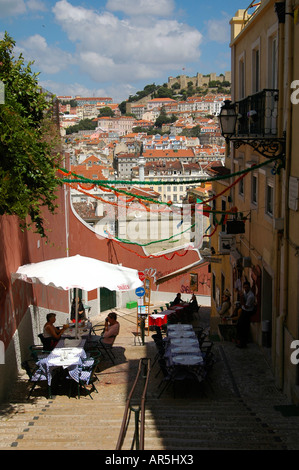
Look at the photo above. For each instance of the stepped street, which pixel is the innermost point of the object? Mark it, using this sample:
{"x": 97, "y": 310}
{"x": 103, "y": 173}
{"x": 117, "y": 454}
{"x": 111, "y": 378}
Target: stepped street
{"x": 238, "y": 406}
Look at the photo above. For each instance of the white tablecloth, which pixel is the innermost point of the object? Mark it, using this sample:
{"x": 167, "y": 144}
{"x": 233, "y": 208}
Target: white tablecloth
{"x": 66, "y": 357}
{"x": 183, "y": 346}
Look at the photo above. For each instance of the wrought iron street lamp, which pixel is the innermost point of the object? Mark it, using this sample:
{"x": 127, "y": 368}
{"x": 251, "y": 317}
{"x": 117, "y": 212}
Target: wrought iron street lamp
{"x": 270, "y": 146}
{"x": 228, "y": 120}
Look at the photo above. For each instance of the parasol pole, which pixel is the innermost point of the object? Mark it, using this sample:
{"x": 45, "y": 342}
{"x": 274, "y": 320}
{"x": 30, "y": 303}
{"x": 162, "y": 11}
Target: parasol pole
{"x": 76, "y": 317}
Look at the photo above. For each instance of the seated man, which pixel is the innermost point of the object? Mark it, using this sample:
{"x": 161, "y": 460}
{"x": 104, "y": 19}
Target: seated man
{"x": 111, "y": 329}
{"x": 177, "y": 300}
{"x": 51, "y": 333}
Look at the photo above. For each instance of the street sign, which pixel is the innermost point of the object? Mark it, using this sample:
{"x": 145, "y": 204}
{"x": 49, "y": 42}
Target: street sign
{"x": 140, "y": 291}
{"x": 141, "y": 276}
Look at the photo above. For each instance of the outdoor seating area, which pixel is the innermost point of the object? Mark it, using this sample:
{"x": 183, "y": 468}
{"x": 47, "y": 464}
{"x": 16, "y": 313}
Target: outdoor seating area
{"x": 75, "y": 365}
{"x": 171, "y": 313}
{"x": 72, "y": 364}
{"x": 183, "y": 354}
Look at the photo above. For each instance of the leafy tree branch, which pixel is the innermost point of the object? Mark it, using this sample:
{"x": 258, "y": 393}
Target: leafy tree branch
{"x": 29, "y": 142}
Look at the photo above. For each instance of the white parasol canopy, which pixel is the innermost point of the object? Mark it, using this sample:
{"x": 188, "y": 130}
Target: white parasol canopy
{"x": 79, "y": 272}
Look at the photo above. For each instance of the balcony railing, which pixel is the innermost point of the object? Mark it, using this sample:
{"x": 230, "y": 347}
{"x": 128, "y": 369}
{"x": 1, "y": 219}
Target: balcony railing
{"x": 258, "y": 114}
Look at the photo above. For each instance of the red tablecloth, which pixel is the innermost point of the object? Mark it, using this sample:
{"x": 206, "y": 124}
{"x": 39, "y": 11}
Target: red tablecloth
{"x": 159, "y": 321}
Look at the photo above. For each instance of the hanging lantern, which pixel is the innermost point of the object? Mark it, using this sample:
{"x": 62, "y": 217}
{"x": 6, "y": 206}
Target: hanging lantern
{"x": 228, "y": 119}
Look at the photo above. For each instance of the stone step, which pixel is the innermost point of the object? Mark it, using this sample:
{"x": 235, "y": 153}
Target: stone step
{"x": 166, "y": 428}
{"x": 199, "y": 422}
{"x": 205, "y": 444}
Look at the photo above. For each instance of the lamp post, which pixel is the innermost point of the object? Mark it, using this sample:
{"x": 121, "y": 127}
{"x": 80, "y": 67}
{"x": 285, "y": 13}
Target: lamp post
{"x": 269, "y": 147}
{"x": 228, "y": 120}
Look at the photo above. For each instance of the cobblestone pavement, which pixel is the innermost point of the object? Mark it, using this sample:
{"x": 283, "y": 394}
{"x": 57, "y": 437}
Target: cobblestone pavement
{"x": 237, "y": 408}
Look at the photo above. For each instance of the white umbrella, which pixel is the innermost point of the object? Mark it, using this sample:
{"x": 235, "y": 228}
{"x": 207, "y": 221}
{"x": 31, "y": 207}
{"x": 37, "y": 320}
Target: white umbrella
{"x": 79, "y": 272}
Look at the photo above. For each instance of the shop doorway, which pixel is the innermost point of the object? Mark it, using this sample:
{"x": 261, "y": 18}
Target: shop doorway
{"x": 107, "y": 299}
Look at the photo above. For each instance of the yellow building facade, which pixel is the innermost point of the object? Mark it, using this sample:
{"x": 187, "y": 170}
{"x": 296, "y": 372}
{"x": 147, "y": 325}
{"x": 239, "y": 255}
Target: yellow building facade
{"x": 263, "y": 191}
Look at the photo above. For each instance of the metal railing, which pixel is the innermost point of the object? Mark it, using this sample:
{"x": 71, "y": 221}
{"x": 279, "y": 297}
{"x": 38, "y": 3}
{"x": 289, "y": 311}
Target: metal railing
{"x": 139, "y": 411}
{"x": 258, "y": 114}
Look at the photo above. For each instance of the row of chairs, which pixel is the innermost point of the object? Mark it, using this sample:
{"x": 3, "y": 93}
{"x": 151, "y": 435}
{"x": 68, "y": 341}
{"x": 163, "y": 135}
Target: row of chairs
{"x": 175, "y": 373}
{"x": 156, "y": 311}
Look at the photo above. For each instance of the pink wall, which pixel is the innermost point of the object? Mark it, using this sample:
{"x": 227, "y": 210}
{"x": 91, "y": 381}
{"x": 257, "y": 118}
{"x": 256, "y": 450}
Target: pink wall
{"x": 20, "y": 248}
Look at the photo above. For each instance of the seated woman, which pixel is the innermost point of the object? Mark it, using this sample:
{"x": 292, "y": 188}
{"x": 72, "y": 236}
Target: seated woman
{"x": 193, "y": 303}
{"x": 51, "y": 333}
{"x": 81, "y": 311}
{"x": 226, "y": 304}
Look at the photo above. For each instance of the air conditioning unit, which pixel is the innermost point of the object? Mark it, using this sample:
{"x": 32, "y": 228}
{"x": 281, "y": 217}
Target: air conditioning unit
{"x": 227, "y": 243}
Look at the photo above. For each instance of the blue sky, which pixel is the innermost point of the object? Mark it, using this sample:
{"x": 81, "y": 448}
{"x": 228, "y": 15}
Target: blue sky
{"x": 116, "y": 47}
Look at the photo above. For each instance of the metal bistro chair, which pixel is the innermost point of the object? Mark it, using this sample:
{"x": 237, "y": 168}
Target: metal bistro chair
{"x": 158, "y": 333}
{"x": 94, "y": 342}
{"x": 98, "y": 327}
{"x": 86, "y": 376}
{"x": 107, "y": 348}
{"x": 160, "y": 349}
{"x": 48, "y": 343}
{"x": 175, "y": 374}
{"x": 38, "y": 352}
{"x": 36, "y": 375}
{"x": 94, "y": 355}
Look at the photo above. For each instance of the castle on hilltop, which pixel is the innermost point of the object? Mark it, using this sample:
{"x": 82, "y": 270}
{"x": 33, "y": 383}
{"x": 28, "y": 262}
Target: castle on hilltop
{"x": 199, "y": 80}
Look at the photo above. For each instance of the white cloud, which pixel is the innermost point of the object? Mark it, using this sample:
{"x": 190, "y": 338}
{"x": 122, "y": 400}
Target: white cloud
{"x": 142, "y": 7}
{"x": 117, "y": 92}
{"x": 46, "y": 58}
{"x": 36, "y": 5}
{"x": 70, "y": 89}
{"x": 18, "y": 7}
{"x": 12, "y": 7}
{"x": 109, "y": 48}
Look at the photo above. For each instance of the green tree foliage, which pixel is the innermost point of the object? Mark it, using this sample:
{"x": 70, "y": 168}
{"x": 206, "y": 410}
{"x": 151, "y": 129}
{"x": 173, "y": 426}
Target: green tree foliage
{"x": 106, "y": 112}
{"x": 194, "y": 132}
{"x": 72, "y": 103}
{"x": 28, "y": 141}
{"x": 83, "y": 125}
{"x": 164, "y": 119}
{"x": 122, "y": 107}
{"x": 148, "y": 89}
{"x": 164, "y": 92}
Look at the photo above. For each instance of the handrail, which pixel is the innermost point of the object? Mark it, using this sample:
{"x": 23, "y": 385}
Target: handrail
{"x": 141, "y": 408}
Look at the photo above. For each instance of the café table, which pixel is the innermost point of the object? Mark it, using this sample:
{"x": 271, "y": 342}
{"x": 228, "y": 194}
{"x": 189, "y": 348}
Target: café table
{"x": 180, "y": 310}
{"x": 68, "y": 354}
{"x": 177, "y": 307}
{"x": 83, "y": 331}
{"x": 182, "y": 333}
{"x": 183, "y": 346}
{"x": 159, "y": 319}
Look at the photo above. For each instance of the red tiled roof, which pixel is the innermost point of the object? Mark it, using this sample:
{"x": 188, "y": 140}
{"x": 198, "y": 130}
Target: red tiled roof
{"x": 169, "y": 153}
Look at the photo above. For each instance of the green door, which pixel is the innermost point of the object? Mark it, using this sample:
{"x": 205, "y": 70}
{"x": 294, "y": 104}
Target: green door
{"x": 107, "y": 299}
